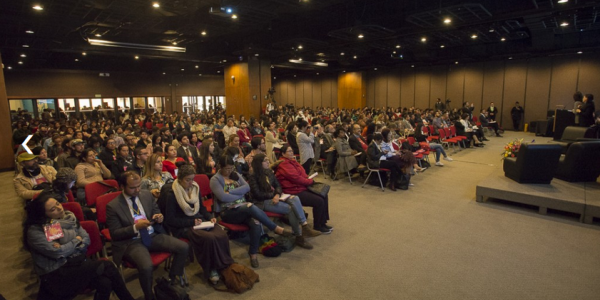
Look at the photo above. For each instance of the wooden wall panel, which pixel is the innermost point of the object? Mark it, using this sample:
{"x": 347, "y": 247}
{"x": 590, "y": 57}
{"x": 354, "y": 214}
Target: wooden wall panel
{"x": 407, "y": 88}
{"x": 351, "y": 88}
{"x": 334, "y": 94}
{"x": 422, "y": 88}
{"x": 393, "y": 89}
{"x": 292, "y": 91}
{"x": 316, "y": 93}
{"x": 537, "y": 90}
{"x": 371, "y": 78}
{"x": 473, "y": 85}
{"x": 455, "y": 86}
{"x": 438, "y": 85}
{"x": 515, "y": 77}
{"x": 564, "y": 82}
{"x": 6, "y": 151}
{"x": 589, "y": 76}
{"x": 326, "y": 91}
{"x": 238, "y": 91}
{"x": 493, "y": 86}
{"x": 308, "y": 98}
{"x": 381, "y": 90}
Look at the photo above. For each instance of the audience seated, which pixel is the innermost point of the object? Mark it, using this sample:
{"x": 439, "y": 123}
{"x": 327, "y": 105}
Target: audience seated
{"x": 33, "y": 177}
{"x": 258, "y": 147}
{"x": 154, "y": 178}
{"x": 345, "y": 161}
{"x": 184, "y": 210}
{"x": 186, "y": 151}
{"x": 206, "y": 162}
{"x": 171, "y": 160}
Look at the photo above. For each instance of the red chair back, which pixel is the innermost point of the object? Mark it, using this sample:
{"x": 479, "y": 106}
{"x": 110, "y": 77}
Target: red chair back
{"x": 258, "y": 136}
{"x": 411, "y": 140}
{"x": 448, "y": 132}
{"x": 453, "y": 130}
{"x": 95, "y": 189}
{"x": 396, "y": 147}
{"x": 425, "y": 130}
{"x": 75, "y": 208}
{"x": 95, "y": 241}
{"x": 205, "y": 191}
{"x": 101, "y": 203}
{"x": 442, "y": 134}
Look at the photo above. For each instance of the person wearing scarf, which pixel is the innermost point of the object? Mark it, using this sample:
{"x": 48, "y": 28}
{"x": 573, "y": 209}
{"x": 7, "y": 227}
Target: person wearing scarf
{"x": 184, "y": 210}
{"x": 33, "y": 177}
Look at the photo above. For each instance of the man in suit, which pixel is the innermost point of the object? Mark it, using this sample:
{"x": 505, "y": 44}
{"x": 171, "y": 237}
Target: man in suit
{"x": 134, "y": 222}
{"x": 358, "y": 143}
{"x": 439, "y": 105}
{"x": 483, "y": 119}
{"x": 186, "y": 151}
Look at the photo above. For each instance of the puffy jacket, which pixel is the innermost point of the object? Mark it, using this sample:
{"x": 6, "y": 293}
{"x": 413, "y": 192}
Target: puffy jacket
{"x": 292, "y": 177}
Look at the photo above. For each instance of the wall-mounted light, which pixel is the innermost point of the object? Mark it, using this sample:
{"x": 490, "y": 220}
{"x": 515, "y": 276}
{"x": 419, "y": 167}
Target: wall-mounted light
{"x": 232, "y": 78}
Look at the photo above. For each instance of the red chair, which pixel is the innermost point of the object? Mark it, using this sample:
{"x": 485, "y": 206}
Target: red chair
{"x": 447, "y": 141}
{"x": 205, "y": 191}
{"x": 96, "y": 245}
{"x": 258, "y": 136}
{"x": 452, "y": 133}
{"x": 429, "y": 136}
{"x": 96, "y": 189}
{"x": 378, "y": 175}
{"x": 101, "y": 204}
{"x": 75, "y": 208}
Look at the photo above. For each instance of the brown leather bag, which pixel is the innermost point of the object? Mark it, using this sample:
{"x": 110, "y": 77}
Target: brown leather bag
{"x": 239, "y": 278}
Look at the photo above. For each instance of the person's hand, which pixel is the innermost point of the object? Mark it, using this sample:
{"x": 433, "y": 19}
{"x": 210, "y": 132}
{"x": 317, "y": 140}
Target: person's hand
{"x": 197, "y": 222}
{"x": 275, "y": 199}
{"x": 385, "y": 151}
{"x": 353, "y": 152}
{"x": 79, "y": 238}
{"x": 155, "y": 193}
{"x": 213, "y": 220}
{"x": 56, "y": 245}
{"x": 142, "y": 224}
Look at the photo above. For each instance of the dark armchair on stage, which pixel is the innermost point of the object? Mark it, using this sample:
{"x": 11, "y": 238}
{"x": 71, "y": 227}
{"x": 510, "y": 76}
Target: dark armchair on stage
{"x": 581, "y": 163}
{"x": 535, "y": 163}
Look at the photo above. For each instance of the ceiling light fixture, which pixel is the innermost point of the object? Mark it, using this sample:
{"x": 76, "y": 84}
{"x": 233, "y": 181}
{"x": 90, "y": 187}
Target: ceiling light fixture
{"x": 447, "y": 21}
{"x": 234, "y": 17}
{"x": 473, "y": 36}
{"x": 155, "y": 4}
{"x": 510, "y": 57}
{"x": 182, "y": 70}
{"x": 9, "y": 67}
{"x": 29, "y": 31}
{"x": 360, "y": 36}
{"x": 423, "y": 39}
{"x": 503, "y": 39}
{"x": 218, "y": 71}
{"x": 317, "y": 73}
{"x": 199, "y": 74}
{"x": 354, "y": 57}
{"x": 105, "y": 43}
{"x": 397, "y": 46}
{"x": 294, "y": 76}
{"x": 342, "y": 53}
{"x": 456, "y": 63}
{"x": 311, "y": 63}
{"x": 579, "y": 52}
{"x": 20, "y": 62}
{"x": 164, "y": 73}
{"x": 136, "y": 57}
{"x": 300, "y": 47}
{"x": 563, "y": 1}
{"x": 564, "y": 23}
{"x": 492, "y": 30}
{"x": 83, "y": 53}
{"x": 97, "y": 35}
{"x": 412, "y": 66}
{"x": 442, "y": 46}
{"x": 77, "y": 59}
{"x": 375, "y": 69}
{"x": 174, "y": 43}
{"x": 224, "y": 60}
{"x": 23, "y": 55}
{"x": 203, "y": 33}
{"x": 197, "y": 66}
{"x": 300, "y": 59}
{"x": 38, "y": 7}
{"x": 25, "y": 46}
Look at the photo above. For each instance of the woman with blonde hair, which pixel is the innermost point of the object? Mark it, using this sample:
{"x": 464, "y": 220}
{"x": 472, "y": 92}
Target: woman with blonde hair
{"x": 155, "y": 177}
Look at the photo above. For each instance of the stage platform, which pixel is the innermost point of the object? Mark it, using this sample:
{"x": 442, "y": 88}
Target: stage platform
{"x": 579, "y": 198}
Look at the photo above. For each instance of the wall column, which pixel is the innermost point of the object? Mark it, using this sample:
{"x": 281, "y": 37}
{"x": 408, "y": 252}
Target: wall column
{"x": 6, "y": 152}
{"x": 352, "y": 90}
{"x": 246, "y": 84}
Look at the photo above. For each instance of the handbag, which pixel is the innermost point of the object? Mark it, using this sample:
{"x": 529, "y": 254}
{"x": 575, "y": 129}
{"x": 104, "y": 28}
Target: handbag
{"x": 319, "y": 188}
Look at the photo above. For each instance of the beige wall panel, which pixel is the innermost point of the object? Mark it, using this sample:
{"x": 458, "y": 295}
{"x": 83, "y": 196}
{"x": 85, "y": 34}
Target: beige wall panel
{"x": 316, "y": 92}
{"x": 422, "y": 83}
{"x": 326, "y": 89}
{"x": 455, "y": 86}
{"x": 6, "y": 150}
{"x": 308, "y": 93}
{"x": 515, "y": 76}
{"x": 438, "y": 85}
{"x": 281, "y": 92}
{"x": 493, "y": 87}
{"x": 381, "y": 92}
{"x": 292, "y": 83}
{"x": 334, "y": 93}
{"x": 589, "y": 76}
{"x": 564, "y": 82}
{"x": 393, "y": 84}
{"x": 407, "y": 88}
{"x": 299, "y": 86}
{"x": 537, "y": 90}
{"x": 371, "y": 78}
{"x": 473, "y": 85}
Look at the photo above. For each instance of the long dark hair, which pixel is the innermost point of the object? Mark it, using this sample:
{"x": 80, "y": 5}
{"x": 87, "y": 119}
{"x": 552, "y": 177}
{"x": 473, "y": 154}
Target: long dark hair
{"x": 258, "y": 172}
{"x": 204, "y": 154}
{"x": 227, "y": 160}
{"x": 36, "y": 215}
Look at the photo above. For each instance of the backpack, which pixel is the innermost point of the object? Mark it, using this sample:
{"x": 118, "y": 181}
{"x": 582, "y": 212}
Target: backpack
{"x": 238, "y": 278}
{"x": 163, "y": 290}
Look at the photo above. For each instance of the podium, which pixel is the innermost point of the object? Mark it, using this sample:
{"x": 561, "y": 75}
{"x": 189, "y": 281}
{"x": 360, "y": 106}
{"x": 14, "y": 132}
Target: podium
{"x": 562, "y": 119}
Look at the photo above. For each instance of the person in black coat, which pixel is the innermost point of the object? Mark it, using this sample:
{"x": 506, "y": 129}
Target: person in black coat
{"x": 292, "y": 129}
{"x": 186, "y": 151}
{"x": 374, "y": 155}
{"x": 586, "y": 113}
{"x": 109, "y": 153}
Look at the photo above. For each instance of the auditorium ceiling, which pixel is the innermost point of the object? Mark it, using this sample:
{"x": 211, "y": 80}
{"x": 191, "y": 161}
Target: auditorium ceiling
{"x": 202, "y": 36}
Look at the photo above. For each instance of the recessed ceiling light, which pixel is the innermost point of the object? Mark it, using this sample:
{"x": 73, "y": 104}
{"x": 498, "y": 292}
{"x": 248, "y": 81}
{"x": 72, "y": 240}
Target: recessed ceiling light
{"x": 256, "y": 54}
{"x": 197, "y": 66}
{"x": 423, "y": 39}
{"x": 29, "y": 31}
{"x": 492, "y": 30}
{"x": 224, "y": 60}
{"x": 229, "y": 10}
{"x": 203, "y": 33}
{"x": 174, "y": 43}
{"x": 375, "y": 69}
{"x": 563, "y": 1}
{"x": 564, "y": 23}
{"x": 300, "y": 58}
{"x": 20, "y": 62}
{"x": 38, "y": 7}
{"x": 447, "y": 21}
{"x": 510, "y": 57}
{"x": 579, "y": 52}
{"x": 360, "y": 36}
{"x": 164, "y": 73}
{"x": 456, "y": 63}
{"x": 442, "y": 46}
{"x": 412, "y": 66}
{"x": 25, "y": 46}
{"x": 234, "y": 16}
{"x": 199, "y": 74}
{"x": 342, "y": 53}
{"x": 83, "y": 53}
{"x": 344, "y": 71}
{"x": 394, "y": 52}
{"x": 300, "y": 47}
{"x": 274, "y": 77}
{"x": 503, "y": 39}
{"x": 294, "y": 76}
{"x": 155, "y": 4}
{"x": 136, "y": 57}
{"x": 354, "y": 57}
{"x": 317, "y": 73}
{"x": 397, "y": 46}
{"x": 98, "y": 35}
{"x": 473, "y": 36}
{"x": 77, "y": 59}
{"x": 9, "y": 67}
{"x": 23, "y": 55}
{"x": 218, "y": 71}
{"x": 182, "y": 70}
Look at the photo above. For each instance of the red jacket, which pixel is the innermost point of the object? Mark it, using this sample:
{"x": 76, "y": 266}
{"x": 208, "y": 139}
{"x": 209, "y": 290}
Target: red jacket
{"x": 292, "y": 177}
{"x": 244, "y": 135}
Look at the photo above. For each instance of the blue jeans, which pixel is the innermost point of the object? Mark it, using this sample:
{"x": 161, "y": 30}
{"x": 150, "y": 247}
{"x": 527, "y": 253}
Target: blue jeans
{"x": 290, "y": 207}
{"x": 248, "y": 215}
{"x": 438, "y": 150}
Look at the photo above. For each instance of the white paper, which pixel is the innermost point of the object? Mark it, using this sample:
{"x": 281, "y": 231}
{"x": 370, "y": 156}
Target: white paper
{"x": 358, "y": 154}
{"x": 176, "y": 170}
{"x": 284, "y": 197}
{"x": 313, "y": 175}
{"x": 205, "y": 225}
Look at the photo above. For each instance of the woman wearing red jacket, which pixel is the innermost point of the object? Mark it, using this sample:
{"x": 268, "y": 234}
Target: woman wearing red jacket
{"x": 293, "y": 180}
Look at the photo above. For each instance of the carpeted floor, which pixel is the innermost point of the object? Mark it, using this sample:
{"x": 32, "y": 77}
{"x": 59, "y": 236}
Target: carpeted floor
{"x": 430, "y": 242}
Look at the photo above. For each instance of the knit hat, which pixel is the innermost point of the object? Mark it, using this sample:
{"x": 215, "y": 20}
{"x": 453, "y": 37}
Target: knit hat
{"x": 66, "y": 175}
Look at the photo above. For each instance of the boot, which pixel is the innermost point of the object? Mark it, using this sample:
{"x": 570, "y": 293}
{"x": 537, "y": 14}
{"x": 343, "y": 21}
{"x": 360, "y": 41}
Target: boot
{"x": 302, "y": 243}
{"x": 393, "y": 186}
{"x": 309, "y": 232}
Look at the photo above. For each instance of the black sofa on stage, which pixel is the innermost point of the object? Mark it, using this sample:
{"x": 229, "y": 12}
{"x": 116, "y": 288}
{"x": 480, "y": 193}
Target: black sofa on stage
{"x": 581, "y": 163}
{"x": 535, "y": 163}
{"x": 569, "y": 136}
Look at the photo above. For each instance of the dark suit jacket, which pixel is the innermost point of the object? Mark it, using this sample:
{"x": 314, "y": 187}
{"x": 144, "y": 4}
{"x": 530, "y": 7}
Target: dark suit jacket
{"x": 355, "y": 143}
{"x": 107, "y": 158}
{"x": 373, "y": 156}
{"x": 120, "y": 222}
{"x": 181, "y": 153}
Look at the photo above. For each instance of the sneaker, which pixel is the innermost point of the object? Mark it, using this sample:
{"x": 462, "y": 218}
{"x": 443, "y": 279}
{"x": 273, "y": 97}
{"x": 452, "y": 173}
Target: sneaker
{"x": 302, "y": 243}
{"x": 323, "y": 230}
{"x": 439, "y": 163}
{"x": 448, "y": 158}
{"x": 309, "y": 232}
{"x": 328, "y": 227}
{"x": 214, "y": 277}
